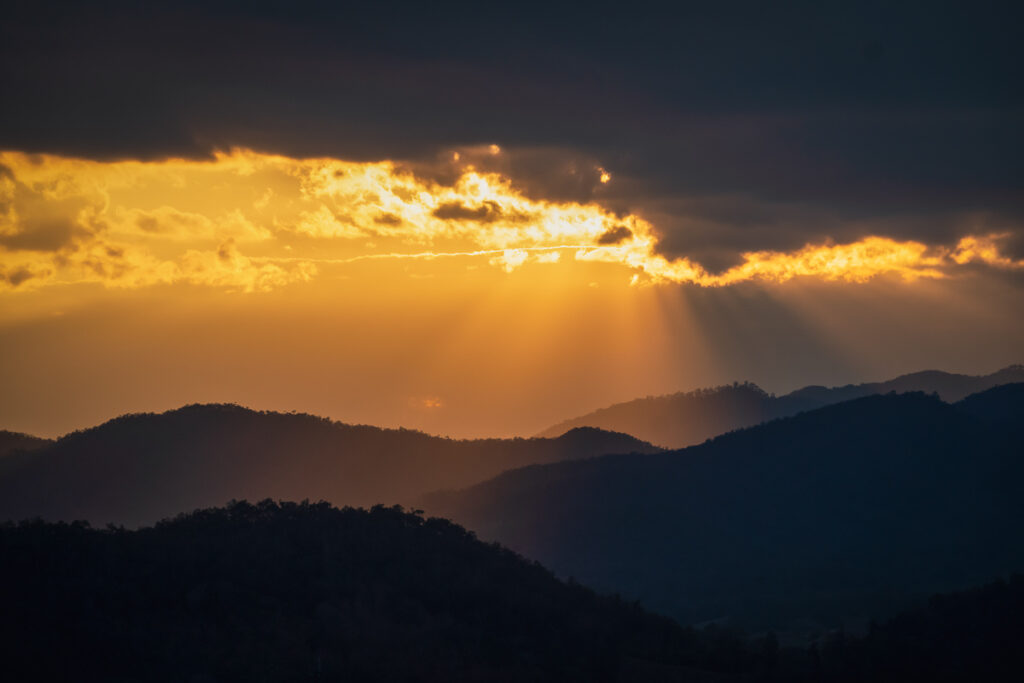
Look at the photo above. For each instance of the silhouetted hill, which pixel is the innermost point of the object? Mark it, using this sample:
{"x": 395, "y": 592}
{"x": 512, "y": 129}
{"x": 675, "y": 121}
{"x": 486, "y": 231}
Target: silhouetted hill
{"x": 1000, "y": 404}
{"x": 140, "y": 468}
{"x": 11, "y": 442}
{"x": 840, "y": 512}
{"x": 301, "y": 592}
{"x": 967, "y": 636}
{"x": 684, "y": 419}
{"x": 680, "y": 419}
{"x": 306, "y": 592}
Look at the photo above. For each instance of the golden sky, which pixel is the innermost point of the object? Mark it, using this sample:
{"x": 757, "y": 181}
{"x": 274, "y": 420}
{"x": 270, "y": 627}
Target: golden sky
{"x": 255, "y": 222}
{"x": 435, "y": 296}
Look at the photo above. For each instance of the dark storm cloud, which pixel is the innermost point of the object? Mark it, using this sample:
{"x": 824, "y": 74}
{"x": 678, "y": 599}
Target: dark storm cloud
{"x": 738, "y": 125}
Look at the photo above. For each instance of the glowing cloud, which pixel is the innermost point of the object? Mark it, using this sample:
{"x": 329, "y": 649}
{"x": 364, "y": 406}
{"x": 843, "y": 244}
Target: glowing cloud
{"x": 984, "y": 249}
{"x": 254, "y": 222}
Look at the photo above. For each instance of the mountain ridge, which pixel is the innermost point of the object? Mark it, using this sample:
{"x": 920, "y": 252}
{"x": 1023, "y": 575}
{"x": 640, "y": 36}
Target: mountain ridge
{"x": 14, "y": 442}
{"x": 687, "y": 418}
{"x": 827, "y": 511}
{"x": 141, "y": 467}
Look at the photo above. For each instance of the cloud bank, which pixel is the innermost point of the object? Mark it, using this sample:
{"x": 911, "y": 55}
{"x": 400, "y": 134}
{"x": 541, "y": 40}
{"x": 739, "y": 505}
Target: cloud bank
{"x": 255, "y": 222}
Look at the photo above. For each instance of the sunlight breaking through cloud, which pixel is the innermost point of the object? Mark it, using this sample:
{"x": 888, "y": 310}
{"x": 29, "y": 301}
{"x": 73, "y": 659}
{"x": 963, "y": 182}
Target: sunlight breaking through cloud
{"x": 255, "y": 222}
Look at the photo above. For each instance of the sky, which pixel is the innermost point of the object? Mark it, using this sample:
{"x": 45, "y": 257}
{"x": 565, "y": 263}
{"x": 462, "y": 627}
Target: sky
{"x": 482, "y": 220}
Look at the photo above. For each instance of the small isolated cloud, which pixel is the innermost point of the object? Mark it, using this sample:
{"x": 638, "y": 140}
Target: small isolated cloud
{"x": 430, "y": 403}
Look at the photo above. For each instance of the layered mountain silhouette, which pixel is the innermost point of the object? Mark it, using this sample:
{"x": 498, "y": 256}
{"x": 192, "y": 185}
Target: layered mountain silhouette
{"x": 144, "y": 467}
{"x": 304, "y": 592}
{"x": 688, "y": 418}
{"x": 842, "y": 512}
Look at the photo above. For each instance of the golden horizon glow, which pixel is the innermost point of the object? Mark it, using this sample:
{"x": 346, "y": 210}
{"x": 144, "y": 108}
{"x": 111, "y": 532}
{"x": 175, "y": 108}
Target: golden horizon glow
{"x": 255, "y": 222}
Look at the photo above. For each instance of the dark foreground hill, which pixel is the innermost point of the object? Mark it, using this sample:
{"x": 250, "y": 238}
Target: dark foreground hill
{"x": 685, "y": 419}
{"x": 841, "y": 513}
{"x": 301, "y": 592}
{"x": 967, "y": 636}
{"x": 140, "y": 468}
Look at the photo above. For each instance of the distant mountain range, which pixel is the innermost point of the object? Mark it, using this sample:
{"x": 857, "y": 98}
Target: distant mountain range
{"x": 832, "y": 515}
{"x": 140, "y": 468}
{"x": 684, "y": 419}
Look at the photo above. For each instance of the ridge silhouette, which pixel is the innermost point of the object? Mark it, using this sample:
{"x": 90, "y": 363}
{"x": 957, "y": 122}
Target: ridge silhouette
{"x": 16, "y": 442}
{"x": 139, "y": 468}
{"x": 834, "y": 515}
{"x": 688, "y": 418}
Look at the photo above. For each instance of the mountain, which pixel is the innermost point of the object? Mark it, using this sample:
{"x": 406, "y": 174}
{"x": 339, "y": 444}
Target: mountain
{"x": 140, "y": 468}
{"x": 685, "y": 419}
{"x": 303, "y": 592}
{"x": 950, "y": 387}
{"x": 12, "y": 442}
{"x": 835, "y": 514}
{"x": 292, "y": 592}
{"x": 999, "y": 404}
{"x": 966, "y": 636}
{"x": 680, "y": 419}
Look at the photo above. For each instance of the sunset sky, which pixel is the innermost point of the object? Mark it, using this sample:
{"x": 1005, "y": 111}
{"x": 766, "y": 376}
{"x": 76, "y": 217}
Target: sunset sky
{"x": 480, "y": 220}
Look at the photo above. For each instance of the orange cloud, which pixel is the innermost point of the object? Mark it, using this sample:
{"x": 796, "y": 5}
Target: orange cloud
{"x": 855, "y": 262}
{"x": 984, "y": 249}
{"x": 255, "y": 222}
